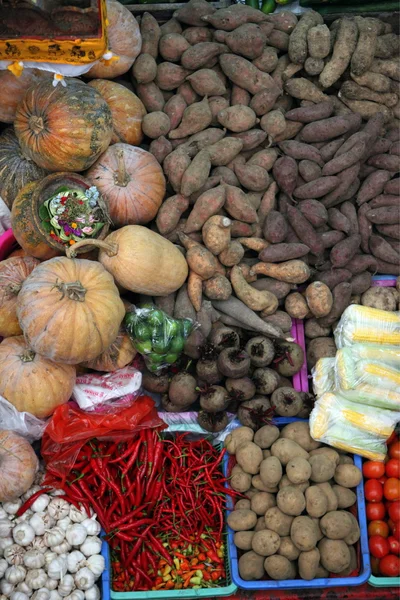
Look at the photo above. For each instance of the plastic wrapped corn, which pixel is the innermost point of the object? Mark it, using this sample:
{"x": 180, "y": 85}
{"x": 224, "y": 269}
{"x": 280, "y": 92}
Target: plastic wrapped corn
{"x": 365, "y": 325}
{"x": 387, "y": 355}
{"x": 352, "y": 427}
{"x": 350, "y": 373}
{"x": 323, "y": 375}
{"x": 373, "y": 396}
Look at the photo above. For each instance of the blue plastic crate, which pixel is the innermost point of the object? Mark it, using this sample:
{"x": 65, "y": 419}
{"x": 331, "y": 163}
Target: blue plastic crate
{"x": 365, "y": 564}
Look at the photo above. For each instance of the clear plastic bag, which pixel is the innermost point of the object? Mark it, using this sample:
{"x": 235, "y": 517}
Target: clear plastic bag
{"x": 157, "y": 336}
{"x": 365, "y": 325}
{"x": 323, "y": 375}
{"x": 22, "y": 423}
{"x": 356, "y": 428}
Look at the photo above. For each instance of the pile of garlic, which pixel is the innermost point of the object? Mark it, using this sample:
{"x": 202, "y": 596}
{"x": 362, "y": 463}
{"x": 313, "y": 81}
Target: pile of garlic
{"x": 51, "y": 552}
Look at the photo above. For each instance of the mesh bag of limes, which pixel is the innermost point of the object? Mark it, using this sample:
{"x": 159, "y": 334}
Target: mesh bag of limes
{"x": 157, "y": 336}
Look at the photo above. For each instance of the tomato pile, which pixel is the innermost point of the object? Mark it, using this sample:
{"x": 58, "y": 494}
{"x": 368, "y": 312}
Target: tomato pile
{"x": 382, "y": 493}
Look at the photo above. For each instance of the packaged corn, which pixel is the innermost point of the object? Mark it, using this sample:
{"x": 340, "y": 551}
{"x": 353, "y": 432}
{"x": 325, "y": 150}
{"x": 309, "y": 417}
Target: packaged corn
{"x": 365, "y": 325}
{"x": 373, "y": 396}
{"x": 350, "y": 372}
{"x": 323, "y": 375}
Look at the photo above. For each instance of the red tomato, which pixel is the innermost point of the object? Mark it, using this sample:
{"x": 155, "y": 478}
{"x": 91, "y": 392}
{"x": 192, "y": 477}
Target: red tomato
{"x": 389, "y": 566}
{"x": 382, "y": 479}
{"x": 391, "y": 524}
{"x": 391, "y": 489}
{"x": 375, "y": 566}
{"x": 372, "y": 469}
{"x": 375, "y": 512}
{"x": 373, "y": 491}
{"x": 394, "y": 450}
{"x": 394, "y": 511}
{"x": 393, "y": 438}
{"x": 393, "y": 467}
{"x": 378, "y": 546}
{"x": 394, "y": 545}
{"x": 396, "y": 531}
{"x": 378, "y": 528}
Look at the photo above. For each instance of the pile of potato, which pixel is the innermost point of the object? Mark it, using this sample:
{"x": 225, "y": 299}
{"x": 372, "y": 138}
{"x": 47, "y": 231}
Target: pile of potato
{"x": 293, "y": 522}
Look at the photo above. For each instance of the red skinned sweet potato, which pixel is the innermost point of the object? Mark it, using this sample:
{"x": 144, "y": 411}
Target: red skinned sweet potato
{"x": 344, "y": 251}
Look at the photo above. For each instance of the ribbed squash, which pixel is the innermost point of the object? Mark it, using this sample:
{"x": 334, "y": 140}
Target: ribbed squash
{"x": 63, "y": 128}
{"x": 69, "y": 310}
{"x": 118, "y": 355}
{"x": 13, "y": 272}
{"x": 16, "y": 170}
{"x": 124, "y": 40}
{"x": 30, "y": 382}
{"x": 132, "y": 182}
{"x": 126, "y": 108}
{"x": 18, "y": 463}
{"x": 13, "y": 89}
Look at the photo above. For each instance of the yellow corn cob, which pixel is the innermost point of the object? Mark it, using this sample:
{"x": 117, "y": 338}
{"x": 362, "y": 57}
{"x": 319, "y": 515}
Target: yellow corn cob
{"x": 392, "y": 375}
{"x": 366, "y": 453}
{"x": 375, "y": 314}
{"x": 366, "y": 423}
{"x": 376, "y": 337}
{"x": 320, "y": 423}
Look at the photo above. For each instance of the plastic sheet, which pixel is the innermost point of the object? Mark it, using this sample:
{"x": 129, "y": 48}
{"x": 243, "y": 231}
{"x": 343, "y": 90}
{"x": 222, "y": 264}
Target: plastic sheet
{"x": 22, "y": 423}
{"x": 181, "y": 421}
{"x": 365, "y": 325}
{"x": 323, "y": 376}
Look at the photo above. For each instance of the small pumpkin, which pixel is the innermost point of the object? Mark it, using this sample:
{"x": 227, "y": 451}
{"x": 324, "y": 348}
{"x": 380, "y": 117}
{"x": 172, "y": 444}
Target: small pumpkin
{"x": 13, "y": 89}
{"x": 18, "y": 465}
{"x": 126, "y": 108}
{"x": 69, "y": 310}
{"x": 124, "y": 40}
{"x": 30, "y": 382}
{"x": 13, "y": 272}
{"x": 140, "y": 260}
{"x": 63, "y": 128}
{"x": 118, "y": 355}
{"x": 16, "y": 170}
{"x": 25, "y": 218}
{"x": 132, "y": 182}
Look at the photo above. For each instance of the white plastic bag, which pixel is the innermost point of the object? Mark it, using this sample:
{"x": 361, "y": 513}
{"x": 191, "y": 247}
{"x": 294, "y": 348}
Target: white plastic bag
{"x": 93, "y": 390}
{"x": 22, "y": 423}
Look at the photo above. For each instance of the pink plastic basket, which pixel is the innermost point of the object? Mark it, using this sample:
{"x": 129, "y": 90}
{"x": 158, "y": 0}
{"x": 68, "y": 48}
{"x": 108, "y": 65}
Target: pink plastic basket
{"x": 8, "y": 243}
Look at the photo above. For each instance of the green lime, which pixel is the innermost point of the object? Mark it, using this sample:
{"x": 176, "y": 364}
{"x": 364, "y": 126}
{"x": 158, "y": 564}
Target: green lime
{"x": 142, "y": 332}
{"x": 143, "y": 347}
{"x": 160, "y": 346}
{"x": 130, "y": 320}
{"x": 151, "y": 367}
{"x": 156, "y": 359}
{"x": 146, "y": 306}
{"x": 171, "y": 358}
{"x": 172, "y": 327}
{"x": 156, "y": 318}
{"x": 176, "y": 345}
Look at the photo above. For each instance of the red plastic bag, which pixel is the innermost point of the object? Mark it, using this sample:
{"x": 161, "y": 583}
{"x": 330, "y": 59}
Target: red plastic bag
{"x": 70, "y": 427}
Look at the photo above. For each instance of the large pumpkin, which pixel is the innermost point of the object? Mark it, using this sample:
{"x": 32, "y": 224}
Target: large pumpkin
{"x": 141, "y": 260}
{"x": 13, "y": 273}
{"x": 18, "y": 465}
{"x": 132, "y": 181}
{"x": 16, "y": 170}
{"x": 30, "y": 382}
{"x": 124, "y": 40}
{"x": 118, "y": 355}
{"x": 126, "y": 108}
{"x": 63, "y": 128}
{"x": 69, "y": 310}
{"x": 13, "y": 89}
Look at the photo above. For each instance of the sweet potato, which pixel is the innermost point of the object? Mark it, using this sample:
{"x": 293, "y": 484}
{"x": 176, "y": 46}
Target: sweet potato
{"x": 206, "y": 82}
{"x": 160, "y": 148}
{"x": 301, "y": 151}
{"x": 175, "y": 164}
{"x": 360, "y": 263}
{"x": 309, "y": 170}
{"x": 252, "y": 177}
{"x": 196, "y": 117}
{"x": 255, "y": 299}
{"x": 280, "y": 289}
{"x": 243, "y": 73}
{"x": 240, "y": 229}
{"x": 170, "y": 76}
{"x": 329, "y": 150}
{"x": 171, "y": 26}
{"x": 384, "y": 200}
{"x": 327, "y": 129}
{"x": 330, "y": 238}
{"x": 387, "y": 45}
{"x": 349, "y": 211}
{"x": 267, "y": 60}
{"x": 344, "y": 251}
{"x": 353, "y": 91}
{"x": 345, "y": 44}
{"x": 298, "y": 38}
{"x": 348, "y": 186}
{"x": 334, "y": 277}
{"x": 217, "y": 287}
{"x": 201, "y": 261}
{"x": 254, "y": 243}
{"x": 319, "y": 41}
{"x": 151, "y": 33}
{"x": 248, "y": 40}
{"x": 319, "y": 299}
{"x": 273, "y": 123}
{"x": 285, "y": 172}
{"x": 188, "y": 93}
{"x": 175, "y": 108}
{"x": 314, "y": 66}
{"x": 296, "y": 306}
{"x": 222, "y": 152}
{"x": 216, "y": 104}
{"x": 209, "y": 204}
{"x": 341, "y": 295}
{"x": 232, "y": 255}
{"x": 388, "y": 215}
{"x": 392, "y": 187}
{"x": 193, "y": 12}
{"x": 360, "y": 283}
{"x": 338, "y": 220}
{"x": 365, "y": 49}
{"x": 291, "y": 130}
{"x": 284, "y": 21}
{"x": 230, "y": 18}
{"x": 151, "y": 96}
{"x": 196, "y": 174}
{"x": 200, "y": 54}
{"x": 364, "y": 226}
{"x": 367, "y": 109}
{"x": 275, "y": 227}
{"x": 156, "y": 124}
{"x": 204, "y": 139}
{"x": 172, "y": 46}
{"x": 237, "y": 118}
{"x": 283, "y": 252}
{"x": 225, "y": 175}
{"x": 388, "y": 268}
{"x": 216, "y": 233}
{"x": 237, "y": 205}
{"x": 144, "y": 68}
{"x": 170, "y": 212}
{"x": 239, "y": 96}
{"x": 251, "y": 139}
{"x": 314, "y": 212}
{"x": 309, "y": 114}
{"x": 264, "y": 100}
{"x": 317, "y": 188}
{"x": 195, "y": 290}
{"x": 303, "y": 89}
{"x": 373, "y": 81}
{"x": 345, "y": 160}
{"x": 304, "y": 230}
{"x": 388, "y": 162}
{"x": 291, "y": 271}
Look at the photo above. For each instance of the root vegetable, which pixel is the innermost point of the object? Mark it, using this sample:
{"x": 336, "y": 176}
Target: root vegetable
{"x": 151, "y": 96}
{"x": 174, "y": 166}
{"x": 182, "y": 389}
{"x": 319, "y": 299}
{"x": 144, "y": 68}
{"x": 252, "y": 138}
{"x": 230, "y": 18}
{"x": 206, "y": 82}
{"x": 335, "y": 555}
{"x": 249, "y": 457}
{"x": 160, "y": 148}
{"x": 233, "y": 254}
{"x": 251, "y": 566}
{"x": 275, "y": 227}
{"x": 287, "y": 403}
{"x": 224, "y": 151}
{"x": 201, "y": 261}
{"x": 267, "y": 60}
{"x": 298, "y": 37}
{"x": 364, "y": 52}
{"x": 373, "y": 81}
{"x": 291, "y": 357}
{"x": 194, "y": 290}
{"x": 296, "y": 306}
{"x": 217, "y": 287}
{"x": 224, "y": 337}
{"x": 241, "y": 389}
{"x": 301, "y": 151}
{"x": 151, "y": 33}
{"x": 309, "y": 171}
{"x": 266, "y": 380}
{"x": 196, "y": 117}
{"x": 214, "y": 399}
{"x": 196, "y": 175}
{"x": 170, "y": 212}
{"x": 367, "y": 109}
{"x": 319, "y": 41}
{"x": 343, "y": 49}
{"x": 239, "y": 311}
{"x": 303, "y": 89}
{"x": 243, "y": 73}
{"x": 314, "y": 211}
{"x": 237, "y": 205}
{"x": 172, "y": 46}
{"x": 207, "y": 205}
{"x": 303, "y": 228}
{"x": 327, "y": 129}
{"x": 260, "y": 350}
{"x": 254, "y": 413}
{"x": 283, "y": 251}
{"x": 252, "y": 177}
{"x": 233, "y": 363}
{"x": 248, "y": 40}
{"x": 292, "y": 271}
{"x": 193, "y": 12}
{"x": 242, "y": 520}
{"x": 317, "y": 188}
{"x": 213, "y": 422}
{"x": 285, "y": 172}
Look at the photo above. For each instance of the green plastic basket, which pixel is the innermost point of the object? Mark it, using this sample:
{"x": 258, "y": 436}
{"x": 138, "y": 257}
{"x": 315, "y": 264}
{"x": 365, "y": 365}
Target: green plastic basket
{"x": 384, "y": 581}
{"x": 217, "y": 592}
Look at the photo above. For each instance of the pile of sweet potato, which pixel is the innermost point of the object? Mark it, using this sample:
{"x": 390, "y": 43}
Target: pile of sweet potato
{"x": 279, "y": 138}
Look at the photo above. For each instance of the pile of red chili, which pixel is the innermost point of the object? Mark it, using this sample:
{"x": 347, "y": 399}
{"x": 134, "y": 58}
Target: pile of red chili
{"x": 161, "y": 504}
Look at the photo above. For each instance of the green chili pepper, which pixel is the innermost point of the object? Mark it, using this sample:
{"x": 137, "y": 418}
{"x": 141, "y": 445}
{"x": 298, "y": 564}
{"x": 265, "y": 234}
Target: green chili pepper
{"x": 283, "y": 2}
{"x": 268, "y": 6}
{"x": 253, "y": 3}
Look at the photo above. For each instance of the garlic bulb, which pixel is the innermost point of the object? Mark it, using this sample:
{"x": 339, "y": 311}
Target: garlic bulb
{"x": 23, "y": 534}
{"x": 77, "y": 516}
{"x": 51, "y": 584}
{"x": 76, "y": 534}
{"x": 63, "y": 523}
{"x": 6, "y": 527}
{"x": 6, "y": 587}
{"x": 36, "y": 578}
{"x": 32, "y": 490}
{"x": 57, "y": 493}
{"x": 76, "y": 595}
{"x": 25, "y": 517}
{"x": 25, "y": 588}
{"x": 38, "y": 544}
{"x": 54, "y": 595}
{"x": 84, "y": 579}
{"x": 41, "y": 594}
{"x": 3, "y": 566}
{"x": 12, "y": 507}
{"x": 62, "y": 548}
{"x": 4, "y": 543}
{"x": 75, "y": 561}
{"x": 54, "y": 536}
{"x": 19, "y": 596}
{"x": 96, "y": 564}
{"x": 92, "y": 526}
{"x": 92, "y": 593}
{"x": 49, "y": 555}
{"x": 15, "y": 575}
{"x": 66, "y": 586}
{"x": 34, "y": 559}
{"x": 3, "y": 514}
{"x": 92, "y": 545}
{"x": 41, "y": 521}
{"x": 41, "y": 503}
{"x": 58, "y": 508}
{"x": 57, "y": 568}
{"x": 14, "y": 554}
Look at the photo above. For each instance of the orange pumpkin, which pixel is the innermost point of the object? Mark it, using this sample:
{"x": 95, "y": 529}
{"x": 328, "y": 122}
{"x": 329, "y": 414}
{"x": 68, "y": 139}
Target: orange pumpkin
{"x": 18, "y": 465}
{"x": 126, "y": 109}
{"x": 63, "y": 128}
{"x": 69, "y": 310}
{"x": 132, "y": 182}
{"x": 13, "y": 273}
{"x": 124, "y": 40}
{"x": 30, "y": 382}
{"x": 118, "y": 355}
{"x": 13, "y": 90}
{"x": 15, "y": 169}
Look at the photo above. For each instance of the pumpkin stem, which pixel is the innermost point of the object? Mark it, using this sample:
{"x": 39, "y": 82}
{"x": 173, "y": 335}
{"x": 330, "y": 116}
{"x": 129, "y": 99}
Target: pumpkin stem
{"x": 14, "y": 288}
{"x": 121, "y": 177}
{"x": 27, "y": 356}
{"x": 36, "y": 124}
{"x": 73, "y": 291}
{"x": 110, "y": 248}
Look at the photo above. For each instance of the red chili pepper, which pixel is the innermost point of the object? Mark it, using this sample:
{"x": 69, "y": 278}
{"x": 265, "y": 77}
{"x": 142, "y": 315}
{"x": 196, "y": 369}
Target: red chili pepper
{"x": 26, "y": 505}
{"x": 134, "y": 455}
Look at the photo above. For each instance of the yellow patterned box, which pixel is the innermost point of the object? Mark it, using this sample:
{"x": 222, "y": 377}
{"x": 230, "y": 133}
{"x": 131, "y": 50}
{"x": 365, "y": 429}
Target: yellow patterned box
{"x": 43, "y": 31}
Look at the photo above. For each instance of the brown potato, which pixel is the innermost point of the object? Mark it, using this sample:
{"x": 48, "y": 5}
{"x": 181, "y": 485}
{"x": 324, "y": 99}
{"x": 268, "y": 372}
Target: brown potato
{"x": 271, "y": 471}
{"x": 261, "y": 502}
{"x": 298, "y": 470}
{"x": 242, "y": 519}
{"x": 322, "y": 468}
{"x": 316, "y": 502}
{"x": 348, "y": 476}
{"x": 329, "y": 452}
{"x": 242, "y": 539}
{"x": 279, "y": 567}
{"x": 277, "y": 521}
{"x": 303, "y": 533}
{"x": 243, "y": 503}
{"x": 345, "y": 497}
{"x": 355, "y": 533}
{"x": 251, "y": 566}
{"x": 249, "y": 457}
{"x": 319, "y": 299}
{"x": 285, "y": 449}
{"x": 240, "y": 481}
{"x": 336, "y": 525}
{"x": 266, "y": 436}
{"x": 288, "y": 549}
{"x": 335, "y": 555}
{"x": 332, "y": 500}
{"x": 291, "y": 501}
{"x": 237, "y": 437}
{"x": 299, "y": 432}
{"x": 257, "y": 482}
{"x": 308, "y": 564}
{"x": 265, "y": 542}
{"x": 285, "y": 482}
